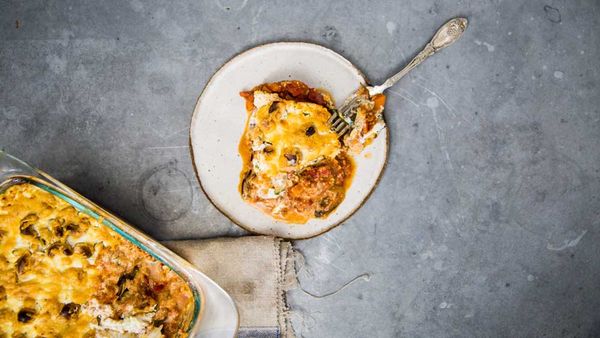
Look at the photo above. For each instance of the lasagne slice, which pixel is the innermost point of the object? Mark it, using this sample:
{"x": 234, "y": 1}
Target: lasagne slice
{"x": 286, "y": 145}
{"x": 294, "y": 166}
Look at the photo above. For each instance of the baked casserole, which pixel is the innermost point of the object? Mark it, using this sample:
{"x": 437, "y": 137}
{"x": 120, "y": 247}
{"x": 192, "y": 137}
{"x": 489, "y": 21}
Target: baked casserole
{"x": 64, "y": 274}
{"x": 294, "y": 166}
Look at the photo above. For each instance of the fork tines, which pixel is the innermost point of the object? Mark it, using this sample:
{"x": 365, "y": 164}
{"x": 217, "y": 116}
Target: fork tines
{"x": 341, "y": 120}
{"x": 339, "y": 125}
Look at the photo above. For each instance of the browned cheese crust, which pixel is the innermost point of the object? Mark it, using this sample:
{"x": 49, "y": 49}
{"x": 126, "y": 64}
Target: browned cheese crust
{"x": 64, "y": 274}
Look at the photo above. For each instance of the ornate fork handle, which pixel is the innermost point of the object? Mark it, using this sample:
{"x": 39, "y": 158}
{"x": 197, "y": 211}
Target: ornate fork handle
{"x": 444, "y": 37}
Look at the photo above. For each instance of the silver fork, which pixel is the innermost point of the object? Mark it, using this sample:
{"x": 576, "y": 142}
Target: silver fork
{"x": 342, "y": 119}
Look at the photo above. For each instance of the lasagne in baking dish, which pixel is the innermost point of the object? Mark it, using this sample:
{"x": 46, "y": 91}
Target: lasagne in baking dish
{"x": 63, "y": 274}
{"x": 294, "y": 166}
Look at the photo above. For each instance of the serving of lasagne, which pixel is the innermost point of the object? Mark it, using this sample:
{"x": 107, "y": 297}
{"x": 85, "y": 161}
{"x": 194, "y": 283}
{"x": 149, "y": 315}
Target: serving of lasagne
{"x": 64, "y": 274}
{"x": 294, "y": 166}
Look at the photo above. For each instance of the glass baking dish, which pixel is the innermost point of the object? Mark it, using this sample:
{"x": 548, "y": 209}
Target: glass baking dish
{"x": 14, "y": 171}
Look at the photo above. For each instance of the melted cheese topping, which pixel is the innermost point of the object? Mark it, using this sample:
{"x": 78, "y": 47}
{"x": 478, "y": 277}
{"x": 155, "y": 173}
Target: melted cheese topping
{"x": 295, "y": 133}
{"x": 50, "y": 268}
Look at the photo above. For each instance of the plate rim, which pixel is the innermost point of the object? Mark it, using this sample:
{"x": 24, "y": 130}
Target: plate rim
{"x": 193, "y": 158}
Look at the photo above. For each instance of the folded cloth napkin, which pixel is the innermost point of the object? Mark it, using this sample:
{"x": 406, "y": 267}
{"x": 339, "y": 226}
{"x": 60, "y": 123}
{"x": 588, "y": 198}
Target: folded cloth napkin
{"x": 256, "y": 271}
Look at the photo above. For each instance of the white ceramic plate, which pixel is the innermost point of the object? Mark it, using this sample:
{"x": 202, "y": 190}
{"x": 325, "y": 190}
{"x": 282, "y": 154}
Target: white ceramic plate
{"x": 220, "y": 116}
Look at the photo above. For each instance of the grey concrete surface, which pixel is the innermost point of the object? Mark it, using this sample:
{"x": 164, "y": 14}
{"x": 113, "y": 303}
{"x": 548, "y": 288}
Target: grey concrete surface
{"x": 485, "y": 223}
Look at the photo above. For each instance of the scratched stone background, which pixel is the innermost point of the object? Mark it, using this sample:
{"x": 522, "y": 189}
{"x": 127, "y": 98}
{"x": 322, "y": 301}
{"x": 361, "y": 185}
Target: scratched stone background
{"x": 486, "y": 221}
